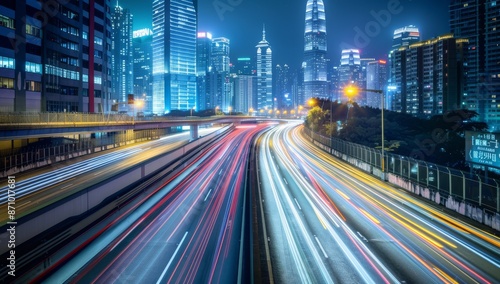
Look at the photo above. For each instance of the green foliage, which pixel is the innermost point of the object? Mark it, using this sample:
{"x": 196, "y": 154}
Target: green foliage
{"x": 439, "y": 139}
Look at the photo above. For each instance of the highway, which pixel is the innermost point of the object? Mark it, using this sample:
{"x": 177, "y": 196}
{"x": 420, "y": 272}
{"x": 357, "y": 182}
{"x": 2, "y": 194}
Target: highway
{"x": 188, "y": 231}
{"x": 38, "y": 191}
{"x": 329, "y": 222}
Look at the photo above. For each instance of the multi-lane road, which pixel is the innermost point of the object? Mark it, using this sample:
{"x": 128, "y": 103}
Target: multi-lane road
{"x": 325, "y": 221}
{"x": 190, "y": 231}
{"x": 35, "y": 192}
{"x": 329, "y": 222}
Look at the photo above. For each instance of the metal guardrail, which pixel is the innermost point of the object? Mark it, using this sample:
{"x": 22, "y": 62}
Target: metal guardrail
{"x": 32, "y": 158}
{"x": 447, "y": 181}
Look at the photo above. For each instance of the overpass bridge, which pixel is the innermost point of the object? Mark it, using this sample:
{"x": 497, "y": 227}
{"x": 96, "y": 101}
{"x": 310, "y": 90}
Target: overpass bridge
{"x": 15, "y": 126}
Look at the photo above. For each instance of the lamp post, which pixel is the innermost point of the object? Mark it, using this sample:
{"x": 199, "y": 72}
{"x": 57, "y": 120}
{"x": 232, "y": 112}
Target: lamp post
{"x": 351, "y": 91}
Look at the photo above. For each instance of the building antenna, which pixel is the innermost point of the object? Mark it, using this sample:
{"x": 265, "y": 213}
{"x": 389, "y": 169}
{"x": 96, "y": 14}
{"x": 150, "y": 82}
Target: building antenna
{"x": 264, "y": 31}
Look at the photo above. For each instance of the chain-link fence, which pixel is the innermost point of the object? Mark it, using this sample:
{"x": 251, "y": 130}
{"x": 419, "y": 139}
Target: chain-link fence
{"x": 462, "y": 186}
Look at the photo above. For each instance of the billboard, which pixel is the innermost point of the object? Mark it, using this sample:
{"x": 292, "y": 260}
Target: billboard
{"x": 482, "y": 148}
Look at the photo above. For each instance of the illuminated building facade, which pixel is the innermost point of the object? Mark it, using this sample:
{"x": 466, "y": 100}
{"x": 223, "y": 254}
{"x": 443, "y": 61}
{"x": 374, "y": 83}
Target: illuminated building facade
{"x": 315, "y": 47}
{"x": 174, "y": 55}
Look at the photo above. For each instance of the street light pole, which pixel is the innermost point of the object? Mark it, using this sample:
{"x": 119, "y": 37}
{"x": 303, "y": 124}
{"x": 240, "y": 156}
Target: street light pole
{"x": 352, "y": 90}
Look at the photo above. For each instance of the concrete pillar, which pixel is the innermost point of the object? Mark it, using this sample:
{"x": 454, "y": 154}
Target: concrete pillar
{"x": 194, "y": 132}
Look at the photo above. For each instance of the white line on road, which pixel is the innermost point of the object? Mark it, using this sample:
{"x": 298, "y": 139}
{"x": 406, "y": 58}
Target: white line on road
{"x": 321, "y": 247}
{"x": 66, "y": 186}
{"x": 171, "y": 259}
{"x": 220, "y": 172}
{"x": 285, "y": 181}
{"x": 297, "y": 204}
{"x": 207, "y": 195}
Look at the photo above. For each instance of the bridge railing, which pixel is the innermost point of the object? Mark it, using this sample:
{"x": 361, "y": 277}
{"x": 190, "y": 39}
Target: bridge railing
{"x": 462, "y": 186}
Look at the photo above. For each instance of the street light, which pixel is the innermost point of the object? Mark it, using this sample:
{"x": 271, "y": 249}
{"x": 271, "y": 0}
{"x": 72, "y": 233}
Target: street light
{"x": 351, "y": 91}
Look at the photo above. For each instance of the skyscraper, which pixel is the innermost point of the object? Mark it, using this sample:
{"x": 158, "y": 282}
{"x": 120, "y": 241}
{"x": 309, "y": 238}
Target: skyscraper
{"x": 73, "y": 46}
{"x": 174, "y": 55}
{"x": 122, "y": 80}
{"x": 376, "y": 79}
{"x": 315, "y": 65}
{"x": 264, "y": 74}
{"x": 431, "y": 76}
{"x": 478, "y": 21}
{"x": 143, "y": 67}
{"x": 283, "y": 86}
{"x": 220, "y": 54}
{"x": 203, "y": 69}
{"x": 350, "y": 69}
{"x": 402, "y": 38}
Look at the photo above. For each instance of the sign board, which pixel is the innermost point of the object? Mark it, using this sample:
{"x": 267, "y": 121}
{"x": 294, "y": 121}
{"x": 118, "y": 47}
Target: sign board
{"x": 482, "y": 148}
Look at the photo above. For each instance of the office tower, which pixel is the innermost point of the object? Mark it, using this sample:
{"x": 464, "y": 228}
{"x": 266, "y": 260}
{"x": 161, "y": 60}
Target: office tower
{"x": 174, "y": 55}
{"x": 220, "y": 54}
{"x": 402, "y": 38}
{"x": 143, "y": 67}
{"x": 244, "y": 66}
{"x": 203, "y": 69}
{"x": 478, "y": 21}
{"x": 315, "y": 47}
{"x": 122, "y": 59}
{"x": 430, "y": 76}
{"x": 334, "y": 79}
{"x": 350, "y": 69}
{"x": 264, "y": 74}
{"x": 65, "y": 51}
{"x": 245, "y": 90}
{"x": 376, "y": 79}
{"x": 283, "y": 85}
{"x": 362, "y": 97}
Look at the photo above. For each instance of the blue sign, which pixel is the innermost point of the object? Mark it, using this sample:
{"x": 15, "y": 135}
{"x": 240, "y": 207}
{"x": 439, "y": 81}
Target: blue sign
{"x": 482, "y": 148}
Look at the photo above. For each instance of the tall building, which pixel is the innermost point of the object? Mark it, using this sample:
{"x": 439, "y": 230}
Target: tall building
{"x": 220, "y": 54}
{"x": 283, "y": 85}
{"x": 244, "y": 66}
{"x": 122, "y": 58}
{"x": 376, "y": 79}
{"x": 203, "y": 69}
{"x": 61, "y": 64}
{"x": 174, "y": 55}
{"x": 245, "y": 88}
{"x": 350, "y": 69}
{"x": 402, "y": 38}
{"x": 430, "y": 76}
{"x": 264, "y": 74}
{"x": 315, "y": 47}
{"x": 143, "y": 67}
{"x": 479, "y": 22}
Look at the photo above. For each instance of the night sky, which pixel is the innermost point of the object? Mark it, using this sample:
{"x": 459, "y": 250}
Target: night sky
{"x": 284, "y": 20}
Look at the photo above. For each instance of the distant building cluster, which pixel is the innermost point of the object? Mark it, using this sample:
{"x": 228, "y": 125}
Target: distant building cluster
{"x": 84, "y": 56}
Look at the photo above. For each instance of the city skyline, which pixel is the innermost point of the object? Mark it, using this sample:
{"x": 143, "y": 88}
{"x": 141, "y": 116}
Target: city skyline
{"x": 222, "y": 19}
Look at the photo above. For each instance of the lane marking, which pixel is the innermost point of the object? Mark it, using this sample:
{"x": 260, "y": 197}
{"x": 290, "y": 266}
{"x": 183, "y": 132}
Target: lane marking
{"x": 297, "y": 204}
{"x": 171, "y": 259}
{"x": 66, "y": 186}
{"x": 285, "y": 181}
{"x": 321, "y": 247}
{"x": 207, "y": 195}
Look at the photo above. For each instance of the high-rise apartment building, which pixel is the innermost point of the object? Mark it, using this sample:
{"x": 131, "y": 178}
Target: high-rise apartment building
{"x": 122, "y": 58}
{"x": 61, "y": 64}
{"x": 174, "y": 55}
{"x": 143, "y": 67}
{"x": 430, "y": 76}
{"x": 478, "y": 21}
{"x": 315, "y": 47}
{"x": 264, "y": 74}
